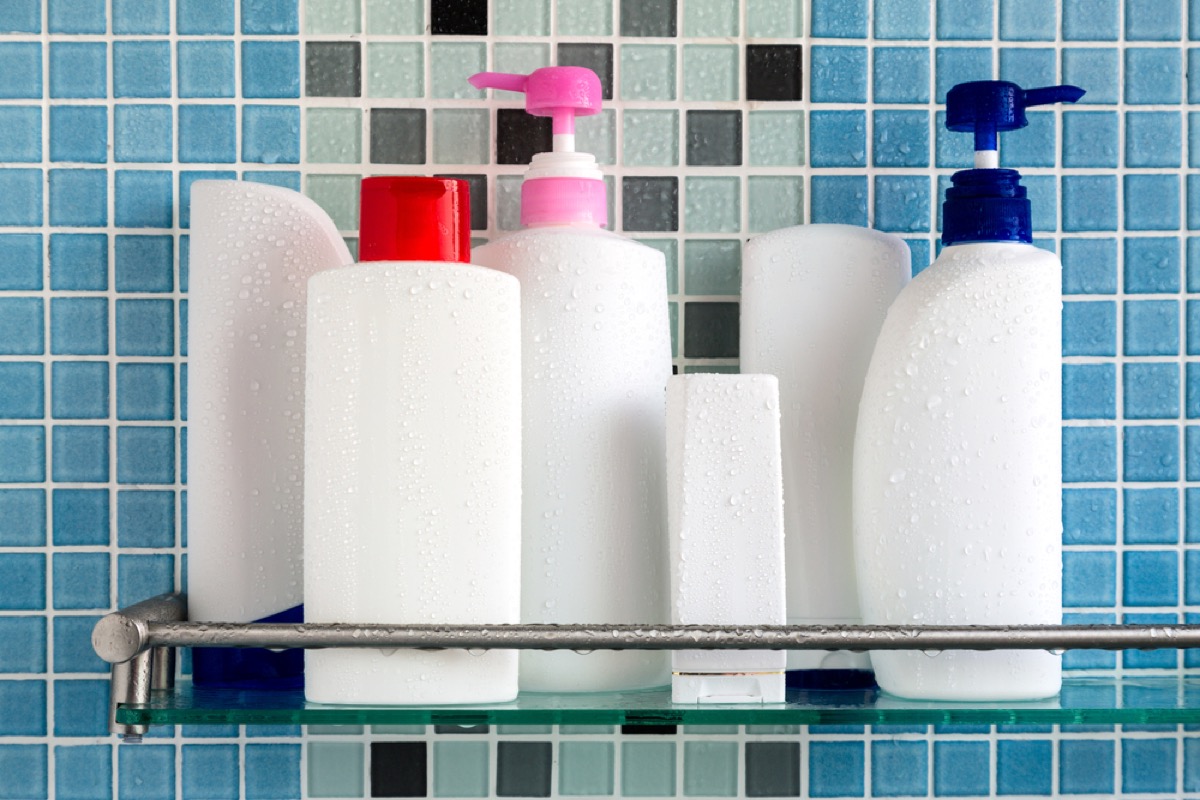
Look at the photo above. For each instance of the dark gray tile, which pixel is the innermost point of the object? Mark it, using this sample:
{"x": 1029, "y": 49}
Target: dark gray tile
{"x": 478, "y": 190}
{"x": 523, "y": 769}
{"x": 650, "y": 203}
{"x": 714, "y": 138}
{"x": 397, "y": 136}
{"x": 774, "y": 72}
{"x": 596, "y": 57}
{"x": 458, "y": 17}
{"x": 398, "y": 769}
{"x": 332, "y": 69}
{"x": 520, "y": 136}
{"x": 710, "y": 330}
{"x": 649, "y": 730}
{"x": 460, "y": 729}
{"x": 772, "y": 769}
{"x": 648, "y": 18}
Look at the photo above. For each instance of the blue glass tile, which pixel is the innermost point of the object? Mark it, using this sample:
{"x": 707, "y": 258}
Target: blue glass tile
{"x": 1091, "y": 20}
{"x": 145, "y": 455}
{"x": 142, "y": 576}
{"x": 899, "y": 769}
{"x": 1152, "y": 265}
{"x": 271, "y": 134}
{"x": 270, "y": 69}
{"x": 839, "y": 74}
{"x": 79, "y": 261}
{"x": 1023, "y": 767}
{"x": 1151, "y": 453}
{"x": 1151, "y": 202}
{"x": 961, "y": 768}
{"x": 1148, "y": 765}
{"x": 964, "y": 19}
{"x": 901, "y": 19}
{"x": 1027, "y": 21}
{"x": 287, "y": 180}
{"x": 1193, "y": 202}
{"x": 209, "y": 731}
{"x": 22, "y": 644}
{"x": 146, "y": 518}
{"x": 22, "y": 388}
{"x": 183, "y": 328}
{"x": 1154, "y": 21}
{"x": 835, "y": 769}
{"x": 80, "y": 390}
{"x": 143, "y": 198}
{"x": 83, "y": 772}
{"x": 1151, "y": 328}
{"x": 21, "y": 326}
{"x": 23, "y": 584}
{"x": 901, "y": 75}
{"x": 132, "y": 17}
{"x": 1089, "y": 266}
{"x": 1043, "y": 197}
{"x": 204, "y": 17}
{"x": 22, "y": 139}
{"x": 76, "y": 16}
{"x": 1149, "y": 659}
{"x": 145, "y": 328}
{"x": 22, "y": 711}
{"x": 24, "y": 448}
{"x": 838, "y": 138}
{"x": 839, "y": 198}
{"x": 79, "y": 326}
{"x": 272, "y": 771}
{"x": 184, "y": 247}
{"x": 1028, "y": 66}
{"x": 186, "y": 179}
{"x": 1191, "y": 759}
{"x": 25, "y": 766}
{"x": 902, "y": 203}
{"x": 1153, "y": 75}
{"x": 21, "y": 254}
{"x": 1193, "y": 68}
{"x": 1194, "y": 137}
{"x": 141, "y": 69}
{"x": 839, "y": 19}
{"x": 81, "y": 707}
{"x": 206, "y": 69}
{"x": 954, "y": 65}
{"x": 901, "y": 139}
{"x": 1085, "y": 766}
{"x": 78, "y": 69}
{"x": 1192, "y": 392}
{"x": 81, "y": 580}
{"x": 80, "y": 453}
{"x": 80, "y": 517}
{"x": 21, "y": 16}
{"x": 73, "y": 651}
{"x": 1036, "y": 146}
{"x": 1089, "y": 328}
{"x": 1089, "y": 659}
{"x": 208, "y": 134}
{"x": 1089, "y": 202}
{"x": 22, "y": 517}
{"x": 210, "y": 770}
{"x": 1153, "y": 139}
{"x": 267, "y": 17}
{"x": 142, "y": 133}
{"x": 1098, "y": 69}
{"x": 1192, "y": 577}
{"x": 1090, "y": 138}
{"x": 144, "y": 263}
{"x": 1151, "y": 516}
{"x": 1151, "y": 578}
{"x": 20, "y": 70}
{"x": 919, "y": 249}
{"x": 1192, "y": 443}
{"x": 147, "y": 772}
{"x": 145, "y": 392}
{"x": 20, "y": 197}
{"x": 79, "y": 197}
{"x": 1151, "y": 391}
{"x": 1089, "y": 579}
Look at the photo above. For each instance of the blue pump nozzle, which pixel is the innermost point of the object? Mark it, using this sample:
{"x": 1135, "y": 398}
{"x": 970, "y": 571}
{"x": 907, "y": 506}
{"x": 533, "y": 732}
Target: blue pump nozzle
{"x": 988, "y": 107}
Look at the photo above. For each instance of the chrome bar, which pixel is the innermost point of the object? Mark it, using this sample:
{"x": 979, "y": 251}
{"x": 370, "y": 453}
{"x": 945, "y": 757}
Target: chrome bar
{"x": 131, "y": 683}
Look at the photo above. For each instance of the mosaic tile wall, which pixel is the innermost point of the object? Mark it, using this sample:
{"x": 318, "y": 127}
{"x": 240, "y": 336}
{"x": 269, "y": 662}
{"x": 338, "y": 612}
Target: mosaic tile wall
{"x": 728, "y": 117}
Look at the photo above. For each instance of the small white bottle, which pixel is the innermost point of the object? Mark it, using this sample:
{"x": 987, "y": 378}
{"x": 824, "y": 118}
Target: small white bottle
{"x": 596, "y": 345}
{"x": 725, "y": 522}
{"x": 813, "y": 300}
{"x": 413, "y": 499}
{"x": 957, "y": 471}
{"x": 253, "y": 248}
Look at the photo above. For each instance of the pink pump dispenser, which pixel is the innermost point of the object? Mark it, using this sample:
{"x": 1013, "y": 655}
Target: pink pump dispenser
{"x": 561, "y": 187}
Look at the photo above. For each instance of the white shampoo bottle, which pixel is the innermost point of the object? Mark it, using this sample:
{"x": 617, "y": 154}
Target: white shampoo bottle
{"x": 597, "y": 355}
{"x": 413, "y": 499}
{"x": 957, "y": 470}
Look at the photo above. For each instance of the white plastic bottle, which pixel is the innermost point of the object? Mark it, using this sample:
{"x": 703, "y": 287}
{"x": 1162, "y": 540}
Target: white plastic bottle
{"x": 957, "y": 471}
{"x": 596, "y": 345}
{"x": 253, "y": 248}
{"x": 813, "y": 300}
{"x": 413, "y": 499}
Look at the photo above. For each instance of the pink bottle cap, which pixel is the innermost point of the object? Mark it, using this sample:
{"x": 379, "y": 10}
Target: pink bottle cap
{"x": 561, "y": 93}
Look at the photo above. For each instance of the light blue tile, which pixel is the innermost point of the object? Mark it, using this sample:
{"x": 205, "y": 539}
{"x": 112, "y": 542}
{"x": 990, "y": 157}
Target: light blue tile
{"x": 22, "y": 517}
{"x": 141, "y": 69}
{"x": 840, "y": 199}
{"x": 1089, "y": 328}
{"x": 901, "y": 75}
{"x": 901, "y": 138}
{"x": 79, "y": 197}
{"x": 81, "y": 580}
{"x": 839, "y": 19}
{"x": 26, "y": 766}
{"x": 1151, "y": 453}
{"x": 270, "y": 69}
{"x": 953, "y": 65}
{"x": 73, "y": 651}
{"x": 1151, "y": 328}
{"x": 22, "y": 708}
{"x": 902, "y": 203}
{"x": 838, "y": 138}
{"x": 22, "y": 644}
{"x": 144, "y": 263}
{"x": 1089, "y": 391}
{"x": 208, "y": 134}
{"x": 146, "y": 518}
{"x": 142, "y": 576}
{"x": 80, "y": 453}
{"x": 1089, "y": 202}
{"x": 1029, "y": 66}
{"x": 710, "y": 769}
{"x": 1152, "y": 265}
{"x": 20, "y": 70}
{"x": 1089, "y": 266}
{"x": 147, "y": 772}
{"x": 80, "y": 390}
{"x": 1098, "y": 68}
{"x": 206, "y": 69}
{"x": 1151, "y": 391}
{"x": 899, "y": 768}
{"x": 1085, "y": 766}
{"x": 1152, "y": 202}
{"x": 1151, "y": 516}
{"x": 81, "y": 707}
{"x": 145, "y": 454}
{"x": 1091, "y": 20}
{"x": 24, "y": 574}
{"x": 1034, "y": 146}
{"x": 145, "y": 328}
{"x": 585, "y": 768}
{"x": 22, "y": 390}
{"x": 142, "y": 133}
{"x": 20, "y": 197}
{"x": 81, "y": 516}
{"x": 1153, "y": 139}
{"x": 1148, "y": 765}
{"x": 1153, "y": 21}
{"x": 143, "y": 198}
{"x": 21, "y": 16}
{"x": 21, "y": 253}
{"x": 961, "y": 768}
{"x": 271, "y": 770}
{"x": 836, "y": 769}
{"x": 964, "y": 19}
{"x": 1089, "y": 454}
{"x": 460, "y": 769}
{"x": 77, "y": 133}
{"x": 1090, "y": 139}
{"x": 201, "y": 17}
{"x": 270, "y": 17}
{"x": 838, "y": 74}
{"x": 1023, "y": 767}
{"x": 271, "y": 134}
{"x": 901, "y": 19}
{"x": 647, "y": 769}
{"x": 141, "y": 17}
{"x": 210, "y": 770}
{"x": 1027, "y": 21}
{"x": 79, "y": 262}
{"x": 1153, "y": 75}
{"x": 83, "y": 772}
{"x": 78, "y": 69}
{"x": 1089, "y": 516}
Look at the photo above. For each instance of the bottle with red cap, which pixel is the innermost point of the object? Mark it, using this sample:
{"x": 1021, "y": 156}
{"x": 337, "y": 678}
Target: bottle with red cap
{"x": 597, "y": 356}
{"x": 412, "y": 497}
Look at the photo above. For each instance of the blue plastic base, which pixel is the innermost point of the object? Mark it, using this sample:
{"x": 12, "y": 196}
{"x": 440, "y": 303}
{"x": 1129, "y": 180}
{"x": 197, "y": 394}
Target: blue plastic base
{"x": 251, "y": 668}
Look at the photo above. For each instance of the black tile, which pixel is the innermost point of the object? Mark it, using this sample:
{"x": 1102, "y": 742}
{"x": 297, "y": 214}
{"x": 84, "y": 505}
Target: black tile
{"x": 398, "y": 769}
{"x": 650, "y": 204}
{"x": 710, "y": 330}
{"x": 596, "y": 57}
{"x": 648, "y": 18}
{"x": 478, "y": 189}
{"x": 714, "y": 138}
{"x": 651, "y": 730}
{"x": 458, "y": 17}
{"x": 772, "y": 769}
{"x": 523, "y": 769}
{"x": 520, "y": 136}
{"x": 397, "y": 136}
{"x": 774, "y": 72}
{"x": 460, "y": 729}
{"x": 332, "y": 69}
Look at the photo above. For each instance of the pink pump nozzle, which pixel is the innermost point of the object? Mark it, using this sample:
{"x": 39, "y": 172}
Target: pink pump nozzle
{"x": 561, "y": 93}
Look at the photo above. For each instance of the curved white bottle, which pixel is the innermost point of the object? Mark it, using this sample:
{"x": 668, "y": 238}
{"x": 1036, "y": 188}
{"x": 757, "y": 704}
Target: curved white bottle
{"x": 412, "y": 504}
{"x": 253, "y": 248}
{"x": 813, "y": 300}
{"x": 957, "y": 471}
{"x": 596, "y": 359}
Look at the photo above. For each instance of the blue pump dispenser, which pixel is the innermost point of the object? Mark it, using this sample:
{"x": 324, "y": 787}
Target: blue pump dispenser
{"x": 988, "y": 204}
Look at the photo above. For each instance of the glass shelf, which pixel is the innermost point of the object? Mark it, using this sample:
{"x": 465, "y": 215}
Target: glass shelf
{"x": 1160, "y": 698}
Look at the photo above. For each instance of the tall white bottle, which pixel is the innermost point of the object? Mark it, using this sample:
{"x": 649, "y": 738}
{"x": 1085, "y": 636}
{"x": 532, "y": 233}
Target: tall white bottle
{"x": 413, "y": 500}
{"x": 253, "y": 248}
{"x": 957, "y": 472}
{"x": 596, "y": 343}
{"x": 813, "y": 300}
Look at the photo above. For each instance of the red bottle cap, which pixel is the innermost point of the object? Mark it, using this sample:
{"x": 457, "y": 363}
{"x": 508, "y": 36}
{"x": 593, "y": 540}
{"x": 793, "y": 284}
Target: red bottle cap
{"x": 414, "y": 219}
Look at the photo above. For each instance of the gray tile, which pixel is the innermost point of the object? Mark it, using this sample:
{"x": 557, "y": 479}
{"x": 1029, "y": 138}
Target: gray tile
{"x": 714, "y": 138}
{"x": 648, "y": 18}
{"x": 332, "y": 69}
{"x": 772, "y": 769}
{"x": 478, "y": 195}
{"x": 523, "y": 769}
{"x": 710, "y": 330}
{"x": 459, "y": 729}
{"x": 596, "y": 57}
{"x": 397, "y": 136}
{"x": 650, "y": 203}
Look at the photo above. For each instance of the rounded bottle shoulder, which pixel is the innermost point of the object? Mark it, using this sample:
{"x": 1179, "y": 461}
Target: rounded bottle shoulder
{"x": 409, "y": 271}
{"x": 566, "y": 237}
